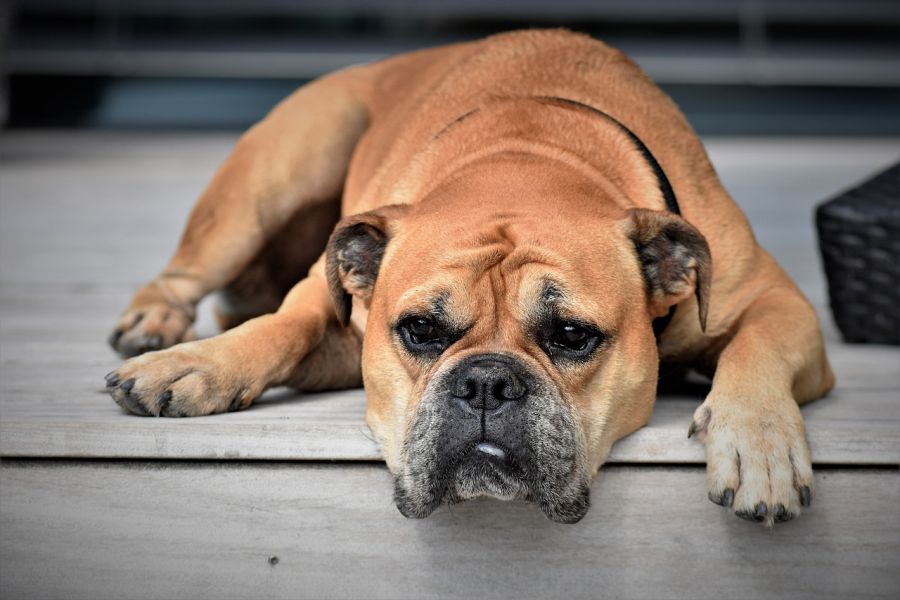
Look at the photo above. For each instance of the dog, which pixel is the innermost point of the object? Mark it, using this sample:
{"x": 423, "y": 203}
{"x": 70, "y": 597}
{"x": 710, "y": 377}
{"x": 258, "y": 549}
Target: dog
{"x": 501, "y": 240}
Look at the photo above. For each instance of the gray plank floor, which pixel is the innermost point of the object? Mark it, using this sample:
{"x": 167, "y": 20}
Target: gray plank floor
{"x": 151, "y": 530}
{"x": 85, "y": 218}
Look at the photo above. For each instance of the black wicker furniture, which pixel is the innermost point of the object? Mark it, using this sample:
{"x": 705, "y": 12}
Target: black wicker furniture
{"x": 859, "y": 238}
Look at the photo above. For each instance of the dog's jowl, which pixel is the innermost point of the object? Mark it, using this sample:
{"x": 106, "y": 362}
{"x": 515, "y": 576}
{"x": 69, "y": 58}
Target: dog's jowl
{"x": 501, "y": 240}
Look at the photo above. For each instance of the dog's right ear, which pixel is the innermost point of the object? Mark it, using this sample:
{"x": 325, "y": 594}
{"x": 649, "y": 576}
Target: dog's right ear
{"x": 354, "y": 255}
{"x": 674, "y": 258}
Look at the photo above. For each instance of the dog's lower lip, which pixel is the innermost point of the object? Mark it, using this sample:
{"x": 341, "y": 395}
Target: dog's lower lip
{"x": 491, "y": 450}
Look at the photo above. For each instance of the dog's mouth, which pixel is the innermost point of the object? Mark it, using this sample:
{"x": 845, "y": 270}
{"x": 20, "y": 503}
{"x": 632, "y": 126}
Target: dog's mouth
{"x": 489, "y": 469}
{"x": 535, "y": 459}
{"x": 480, "y": 468}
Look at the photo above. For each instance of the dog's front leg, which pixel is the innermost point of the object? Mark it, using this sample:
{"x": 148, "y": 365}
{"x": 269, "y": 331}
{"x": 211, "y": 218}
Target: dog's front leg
{"x": 758, "y": 459}
{"x": 229, "y": 371}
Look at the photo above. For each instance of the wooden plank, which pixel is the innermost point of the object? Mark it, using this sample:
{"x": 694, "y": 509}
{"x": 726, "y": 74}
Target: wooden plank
{"x": 148, "y": 530}
{"x": 285, "y": 425}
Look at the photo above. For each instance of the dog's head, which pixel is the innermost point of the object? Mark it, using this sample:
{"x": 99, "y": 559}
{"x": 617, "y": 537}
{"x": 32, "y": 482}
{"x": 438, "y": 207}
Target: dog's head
{"x": 509, "y": 339}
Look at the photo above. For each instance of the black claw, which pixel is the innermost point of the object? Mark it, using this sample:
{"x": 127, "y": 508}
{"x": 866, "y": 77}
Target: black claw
{"x": 235, "y": 403}
{"x": 114, "y": 338}
{"x": 757, "y": 514}
{"x": 761, "y": 511}
{"x": 162, "y": 401}
{"x": 805, "y": 496}
{"x": 728, "y": 497}
{"x": 782, "y": 514}
{"x": 723, "y": 499}
{"x": 112, "y": 379}
{"x": 127, "y": 385}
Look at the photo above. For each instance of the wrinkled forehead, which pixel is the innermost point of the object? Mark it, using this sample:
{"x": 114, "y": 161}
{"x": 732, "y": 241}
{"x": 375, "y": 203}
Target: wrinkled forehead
{"x": 458, "y": 271}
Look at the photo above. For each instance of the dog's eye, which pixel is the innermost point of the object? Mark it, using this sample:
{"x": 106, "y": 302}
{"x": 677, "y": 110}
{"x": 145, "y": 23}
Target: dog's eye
{"x": 421, "y": 330}
{"x": 569, "y": 336}
{"x": 567, "y": 340}
{"x": 423, "y": 336}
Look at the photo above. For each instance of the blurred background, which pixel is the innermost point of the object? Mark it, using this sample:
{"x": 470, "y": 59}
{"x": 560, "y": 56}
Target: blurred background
{"x": 736, "y": 67}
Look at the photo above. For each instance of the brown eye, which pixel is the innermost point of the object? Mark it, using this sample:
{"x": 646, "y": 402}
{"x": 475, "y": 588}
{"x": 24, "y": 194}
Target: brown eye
{"x": 570, "y": 337}
{"x": 420, "y": 330}
{"x": 424, "y": 336}
{"x": 569, "y": 341}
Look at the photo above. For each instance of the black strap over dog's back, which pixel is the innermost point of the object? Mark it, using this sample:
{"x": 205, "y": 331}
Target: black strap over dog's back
{"x": 665, "y": 186}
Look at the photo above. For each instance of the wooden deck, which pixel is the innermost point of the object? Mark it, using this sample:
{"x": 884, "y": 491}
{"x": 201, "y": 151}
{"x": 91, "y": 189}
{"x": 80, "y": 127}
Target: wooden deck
{"x": 95, "y": 503}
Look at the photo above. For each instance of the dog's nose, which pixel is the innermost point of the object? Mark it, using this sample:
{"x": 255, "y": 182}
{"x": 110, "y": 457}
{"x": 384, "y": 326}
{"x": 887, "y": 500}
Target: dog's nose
{"x": 486, "y": 382}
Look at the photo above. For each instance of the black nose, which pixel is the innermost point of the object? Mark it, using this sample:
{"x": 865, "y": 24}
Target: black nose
{"x": 486, "y": 382}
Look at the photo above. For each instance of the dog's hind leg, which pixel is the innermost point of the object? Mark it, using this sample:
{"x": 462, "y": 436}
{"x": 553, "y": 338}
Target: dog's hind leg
{"x": 284, "y": 260}
{"x": 290, "y": 166}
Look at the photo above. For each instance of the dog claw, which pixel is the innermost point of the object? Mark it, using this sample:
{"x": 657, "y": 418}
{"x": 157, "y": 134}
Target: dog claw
{"x": 700, "y": 420}
{"x": 162, "y": 402}
{"x": 112, "y": 379}
{"x": 725, "y": 499}
{"x": 757, "y": 514}
{"x": 728, "y": 497}
{"x": 128, "y": 401}
{"x": 114, "y": 338}
{"x": 761, "y": 511}
{"x": 805, "y": 496}
{"x": 782, "y": 514}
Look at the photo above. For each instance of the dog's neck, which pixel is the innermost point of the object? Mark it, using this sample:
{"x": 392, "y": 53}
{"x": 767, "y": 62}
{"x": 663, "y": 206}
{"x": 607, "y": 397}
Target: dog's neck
{"x": 665, "y": 186}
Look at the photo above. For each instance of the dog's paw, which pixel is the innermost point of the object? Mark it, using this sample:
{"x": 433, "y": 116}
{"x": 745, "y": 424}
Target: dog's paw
{"x": 757, "y": 461}
{"x": 190, "y": 380}
{"x": 154, "y": 320}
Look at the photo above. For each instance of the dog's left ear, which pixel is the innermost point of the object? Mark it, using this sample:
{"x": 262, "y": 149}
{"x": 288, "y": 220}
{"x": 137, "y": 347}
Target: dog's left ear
{"x": 354, "y": 253}
{"x": 674, "y": 257}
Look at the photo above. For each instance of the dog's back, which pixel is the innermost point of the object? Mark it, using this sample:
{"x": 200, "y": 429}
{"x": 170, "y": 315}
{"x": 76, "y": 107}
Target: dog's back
{"x": 414, "y": 93}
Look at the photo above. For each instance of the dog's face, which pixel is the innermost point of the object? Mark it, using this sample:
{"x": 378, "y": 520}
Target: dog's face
{"x": 508, "y": 346}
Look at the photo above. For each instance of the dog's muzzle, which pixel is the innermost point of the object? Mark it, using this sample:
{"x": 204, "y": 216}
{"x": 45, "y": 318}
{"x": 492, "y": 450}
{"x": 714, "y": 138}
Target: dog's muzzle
{"x": 487, "y": 426}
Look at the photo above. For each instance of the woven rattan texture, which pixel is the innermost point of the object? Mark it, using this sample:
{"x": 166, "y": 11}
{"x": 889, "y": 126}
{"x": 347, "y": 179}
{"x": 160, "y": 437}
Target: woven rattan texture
{"x": 859, "y": 237}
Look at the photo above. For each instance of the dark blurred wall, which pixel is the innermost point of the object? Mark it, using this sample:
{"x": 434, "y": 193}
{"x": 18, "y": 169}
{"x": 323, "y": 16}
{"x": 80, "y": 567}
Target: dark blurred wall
{"x": 793, "y": 67}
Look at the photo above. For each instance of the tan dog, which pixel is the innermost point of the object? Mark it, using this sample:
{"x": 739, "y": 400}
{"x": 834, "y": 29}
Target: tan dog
{"x": 510, "y": 242}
